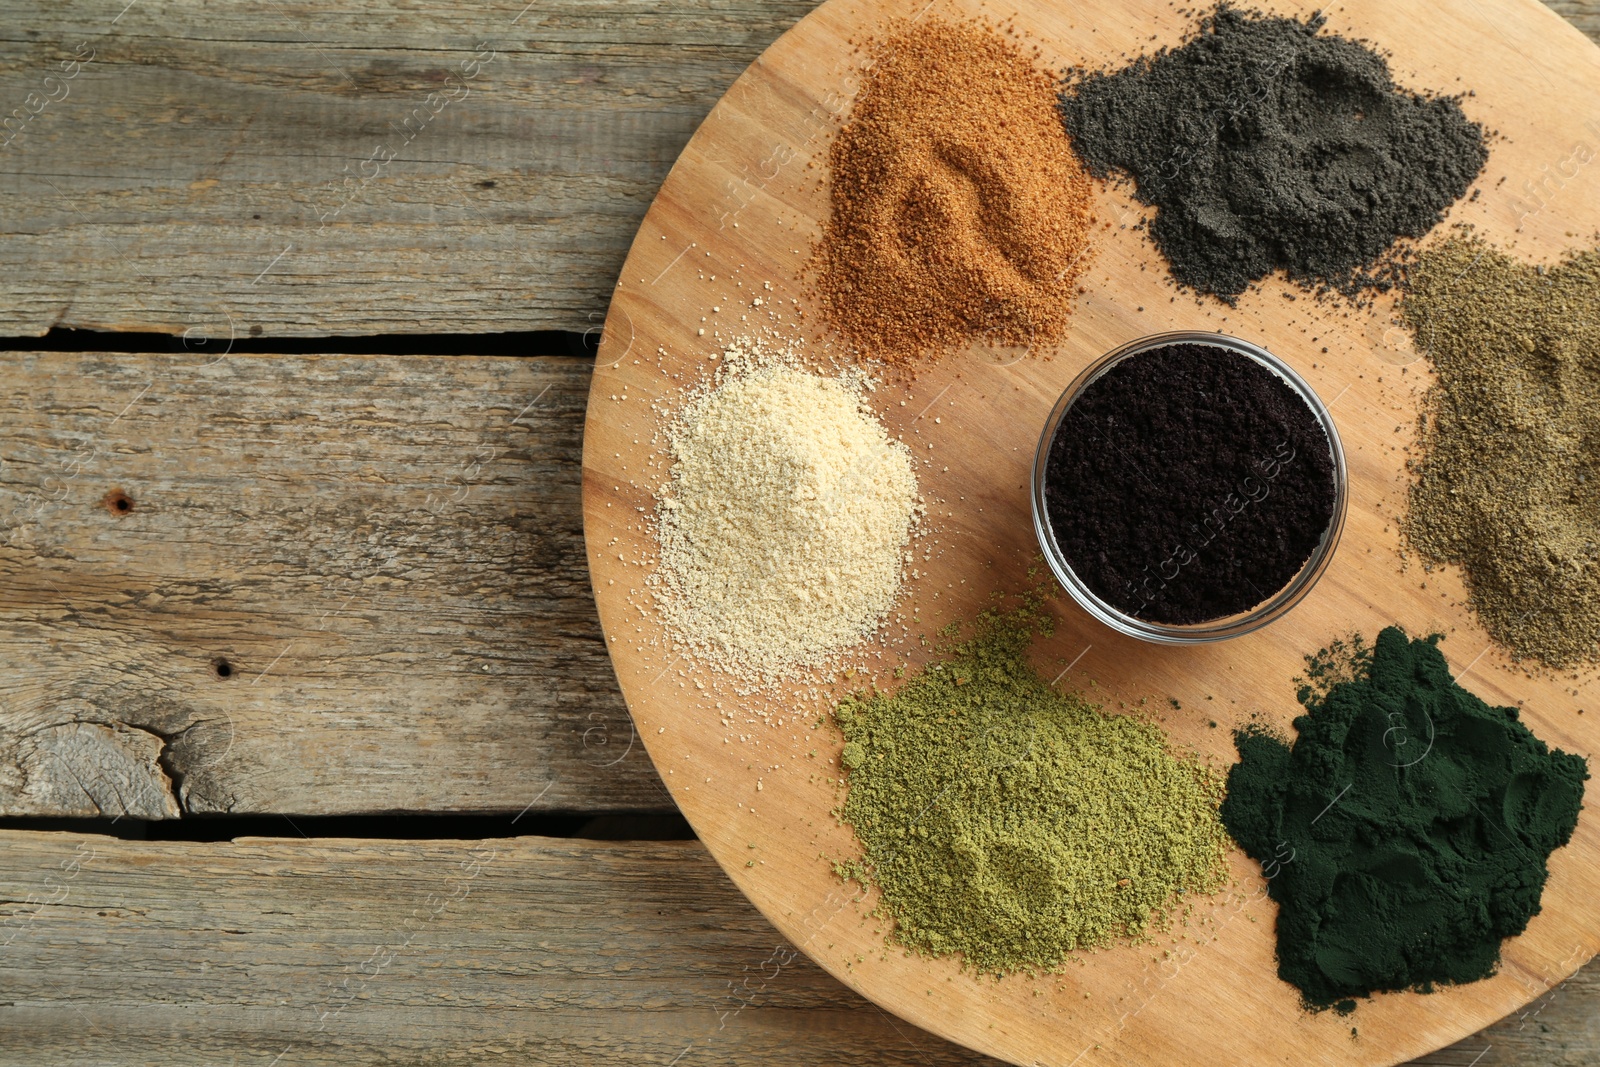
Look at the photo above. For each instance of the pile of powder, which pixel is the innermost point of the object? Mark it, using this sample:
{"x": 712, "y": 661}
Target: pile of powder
{"x": 1406, "y": 831}
{"x": 1508, "y": 486}
{"x": 958, "y": 210}
{"x": 1266, "y": 146}
{"x": 785, "y": 524}
{"x": 1015, "y": 824}
{"x": 1188, "y": 483}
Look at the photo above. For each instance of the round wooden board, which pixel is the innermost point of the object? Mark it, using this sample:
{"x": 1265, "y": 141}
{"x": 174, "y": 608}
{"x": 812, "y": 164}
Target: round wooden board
{"x": 740, "y": 211}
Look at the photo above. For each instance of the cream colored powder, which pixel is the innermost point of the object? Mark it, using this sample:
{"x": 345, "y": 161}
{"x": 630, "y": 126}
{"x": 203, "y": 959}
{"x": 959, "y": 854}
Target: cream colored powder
{"x": 785, "y": 524}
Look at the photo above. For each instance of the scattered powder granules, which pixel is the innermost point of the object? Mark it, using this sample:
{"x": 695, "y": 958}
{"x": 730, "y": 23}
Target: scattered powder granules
{"x": 1015, "y": 824}
{"x": 1406, "y": 832}
{"x": 785, "y": 524}
{"x": 958, "y": 211}
{"x": 1266, "y": 146}
{"x": 1508, "y": 486}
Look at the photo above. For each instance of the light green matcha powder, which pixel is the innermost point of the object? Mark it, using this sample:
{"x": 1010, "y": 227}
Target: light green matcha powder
{"x": 1015, "y": 824}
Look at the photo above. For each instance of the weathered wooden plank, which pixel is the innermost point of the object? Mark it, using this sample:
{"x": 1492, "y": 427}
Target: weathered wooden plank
{"x": 523, "y": 950}
{"x": 286, "y": 167}
{"x": 281, "y": 167}
{"x": 349, "y": 952}
{"x": 386, "y": 554}
{"x": 1584, "y": 14}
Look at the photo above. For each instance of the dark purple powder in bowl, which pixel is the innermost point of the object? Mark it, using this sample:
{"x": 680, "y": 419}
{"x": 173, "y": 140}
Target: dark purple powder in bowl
{"x": 1188, "y": 483}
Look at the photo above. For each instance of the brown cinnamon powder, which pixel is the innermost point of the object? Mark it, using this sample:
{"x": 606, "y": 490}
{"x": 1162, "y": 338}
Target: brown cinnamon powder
{"x": 958, "y": 209}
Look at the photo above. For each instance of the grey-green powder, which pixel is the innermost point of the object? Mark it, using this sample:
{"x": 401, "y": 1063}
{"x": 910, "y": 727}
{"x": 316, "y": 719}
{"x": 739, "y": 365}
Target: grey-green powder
{"x": 1508, "y": 485}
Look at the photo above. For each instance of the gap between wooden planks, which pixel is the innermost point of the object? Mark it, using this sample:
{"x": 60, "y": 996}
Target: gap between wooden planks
{"x": 385, "y": 557}
{"x": 520, "y": 950}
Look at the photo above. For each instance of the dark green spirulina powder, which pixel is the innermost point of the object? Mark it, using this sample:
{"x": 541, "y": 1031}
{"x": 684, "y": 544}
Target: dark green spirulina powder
{"x": 1014, "y": 824}
{"x": 1406, "y": 832}
{"x": 1267, "y": 146}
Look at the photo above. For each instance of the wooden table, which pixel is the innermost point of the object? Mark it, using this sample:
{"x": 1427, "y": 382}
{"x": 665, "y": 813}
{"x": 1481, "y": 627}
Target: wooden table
{"x": 310, "y": 750}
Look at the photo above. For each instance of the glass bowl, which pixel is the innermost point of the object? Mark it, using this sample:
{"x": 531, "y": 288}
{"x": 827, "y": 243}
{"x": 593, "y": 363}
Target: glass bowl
{"x": 1269, "y": 610}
